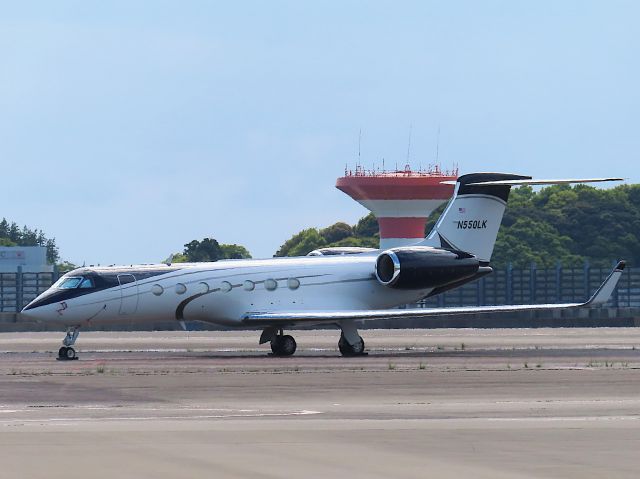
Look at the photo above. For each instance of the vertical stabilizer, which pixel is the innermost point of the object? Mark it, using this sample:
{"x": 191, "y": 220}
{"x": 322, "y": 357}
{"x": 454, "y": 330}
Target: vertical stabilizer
{"x": 472, "y": 218}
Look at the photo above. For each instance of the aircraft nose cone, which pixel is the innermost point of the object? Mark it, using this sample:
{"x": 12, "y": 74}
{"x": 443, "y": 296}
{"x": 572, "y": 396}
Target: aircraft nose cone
{"x": 38, "y": 309}
{"x": 28, "y": 307}
{"x": 31, "y": 311}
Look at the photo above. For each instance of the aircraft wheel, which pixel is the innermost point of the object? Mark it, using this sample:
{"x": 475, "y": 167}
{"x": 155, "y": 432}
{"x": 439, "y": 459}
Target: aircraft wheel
{"x": 347, "y": 349}
{"x": 283, "y": 345}
{"x": 66, "y": 353}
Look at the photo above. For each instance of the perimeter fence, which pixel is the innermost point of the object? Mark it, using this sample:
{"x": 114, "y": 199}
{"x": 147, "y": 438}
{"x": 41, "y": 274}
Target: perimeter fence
{"x": 541, "y": 286}
{"x": 19, "y": 289}
{"x": 503, "y": 286}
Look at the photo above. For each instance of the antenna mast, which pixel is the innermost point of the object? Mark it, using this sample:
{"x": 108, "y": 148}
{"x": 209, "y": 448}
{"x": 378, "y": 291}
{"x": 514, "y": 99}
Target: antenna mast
{"x": 438, "y": 146}
{"x": 409, "y": 145}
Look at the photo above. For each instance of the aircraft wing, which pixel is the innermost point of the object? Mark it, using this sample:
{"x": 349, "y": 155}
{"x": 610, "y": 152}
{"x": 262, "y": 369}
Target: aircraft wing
{"x": 601, "y": 296}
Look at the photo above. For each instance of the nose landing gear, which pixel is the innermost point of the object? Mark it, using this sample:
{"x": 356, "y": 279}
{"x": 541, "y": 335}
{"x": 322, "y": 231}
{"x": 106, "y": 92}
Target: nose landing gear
{"x": 66, "y": 352}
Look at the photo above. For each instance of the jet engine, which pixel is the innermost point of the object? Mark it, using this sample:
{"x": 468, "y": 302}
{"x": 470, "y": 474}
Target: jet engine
{"x": 422, "y": 267}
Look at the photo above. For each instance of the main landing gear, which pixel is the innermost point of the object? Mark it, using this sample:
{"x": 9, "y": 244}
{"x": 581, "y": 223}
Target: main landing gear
{"x": 350, "y": 343}
{"x": 66, "y": 352}
{"x": 347, "y": 349}
{"x": 281, "y": 344}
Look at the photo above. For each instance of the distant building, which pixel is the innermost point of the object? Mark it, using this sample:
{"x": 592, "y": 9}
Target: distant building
{"x": 32, "y": 259}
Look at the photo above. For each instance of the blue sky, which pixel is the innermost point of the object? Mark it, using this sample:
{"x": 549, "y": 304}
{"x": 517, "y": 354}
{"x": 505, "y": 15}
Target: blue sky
{"x": 130, "y": 128}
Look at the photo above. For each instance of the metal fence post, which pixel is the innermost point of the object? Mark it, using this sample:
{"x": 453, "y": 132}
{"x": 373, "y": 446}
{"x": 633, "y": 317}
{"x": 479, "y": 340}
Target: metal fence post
{"x": 509, "y": 284}
{"x": 628, "y": 273}
{"x": 19, "y": 290}
{"x": 532, "y": 282}
{"x": 559, "y": 282}
{"x": 586, "y": 280}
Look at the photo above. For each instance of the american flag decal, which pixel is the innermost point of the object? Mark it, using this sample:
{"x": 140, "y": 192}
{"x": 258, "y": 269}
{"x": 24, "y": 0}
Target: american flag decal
{"x": 462, "y": 210}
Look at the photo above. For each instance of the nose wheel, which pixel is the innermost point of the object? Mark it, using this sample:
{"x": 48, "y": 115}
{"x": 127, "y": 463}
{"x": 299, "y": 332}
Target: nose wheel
{"x": 66, "y": 352}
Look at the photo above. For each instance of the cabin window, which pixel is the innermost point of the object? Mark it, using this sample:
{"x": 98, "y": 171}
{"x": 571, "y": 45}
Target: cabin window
{"x": 293, "y": 283}
{"x": 70, "y": 283}
{"x": 225, "y": 286}
{"x": 86, "y": 283}
{"x": 270, "y": 284}
{"x": 248, "y": 285}
{"x": 181, "y": 288}
{"x": 157, "y": 289}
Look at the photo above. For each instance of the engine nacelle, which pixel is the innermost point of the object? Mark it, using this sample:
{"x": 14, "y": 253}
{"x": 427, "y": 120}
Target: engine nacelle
{"x": 422, "y": 267}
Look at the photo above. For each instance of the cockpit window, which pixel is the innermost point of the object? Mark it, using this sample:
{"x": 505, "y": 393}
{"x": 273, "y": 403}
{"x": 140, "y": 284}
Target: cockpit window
{"x": 70, "y": 283}
{"x": 86, "y": 283}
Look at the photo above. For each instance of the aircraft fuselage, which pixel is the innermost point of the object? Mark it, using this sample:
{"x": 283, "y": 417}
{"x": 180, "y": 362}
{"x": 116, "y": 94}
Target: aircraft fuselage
{"x": 220, "y": 292}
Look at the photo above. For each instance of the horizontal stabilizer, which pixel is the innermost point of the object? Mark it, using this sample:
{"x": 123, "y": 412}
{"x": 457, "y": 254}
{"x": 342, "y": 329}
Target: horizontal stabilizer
{"x": 601, "y": 296}
{"x": 533, "y": 182}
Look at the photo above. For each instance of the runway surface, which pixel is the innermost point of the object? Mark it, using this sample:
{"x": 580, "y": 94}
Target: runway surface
{"x": 424, "y": 403}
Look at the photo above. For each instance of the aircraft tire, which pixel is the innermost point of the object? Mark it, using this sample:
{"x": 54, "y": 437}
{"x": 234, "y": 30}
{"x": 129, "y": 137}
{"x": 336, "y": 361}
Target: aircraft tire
{"x": 283, "y": 345}
{"x": 62, "y": 352}
{"x": 347, "y": 349}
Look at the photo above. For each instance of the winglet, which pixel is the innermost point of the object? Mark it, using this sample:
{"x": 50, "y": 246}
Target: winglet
{"x": 604, "y": 292}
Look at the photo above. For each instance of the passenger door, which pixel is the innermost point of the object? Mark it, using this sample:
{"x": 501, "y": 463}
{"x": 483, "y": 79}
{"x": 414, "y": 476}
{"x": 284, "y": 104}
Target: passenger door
{"x": 128, "y": 293}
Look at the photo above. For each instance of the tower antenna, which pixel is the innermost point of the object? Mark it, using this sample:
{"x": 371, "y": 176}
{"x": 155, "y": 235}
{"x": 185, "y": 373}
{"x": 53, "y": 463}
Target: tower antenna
{"x": 409, "y": 144}
{"x": 438, "y": 146}
{"x": 359, "y": 141}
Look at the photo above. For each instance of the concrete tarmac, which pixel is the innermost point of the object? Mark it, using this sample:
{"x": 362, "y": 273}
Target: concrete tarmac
{"x": 424, "y": 403}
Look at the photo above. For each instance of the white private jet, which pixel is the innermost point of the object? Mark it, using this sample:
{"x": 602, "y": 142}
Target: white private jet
{"x": 329, "y": 286}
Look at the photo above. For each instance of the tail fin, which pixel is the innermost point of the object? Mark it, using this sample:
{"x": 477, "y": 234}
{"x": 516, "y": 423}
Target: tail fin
{"x": 472, "y": 218}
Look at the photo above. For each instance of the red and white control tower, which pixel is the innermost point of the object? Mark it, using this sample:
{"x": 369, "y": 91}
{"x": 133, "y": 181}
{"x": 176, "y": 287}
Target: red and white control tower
{"x": 401, "y": 200}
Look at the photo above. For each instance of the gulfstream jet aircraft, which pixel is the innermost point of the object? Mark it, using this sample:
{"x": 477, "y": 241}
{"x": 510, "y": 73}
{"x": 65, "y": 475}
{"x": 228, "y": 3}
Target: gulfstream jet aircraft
{"x": 330, "y": 286}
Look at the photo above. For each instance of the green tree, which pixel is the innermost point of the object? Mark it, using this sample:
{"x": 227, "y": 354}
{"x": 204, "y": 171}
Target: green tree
{"x": 302, "y": 243}
{"x": 336, "y": 232}
{"x": 533, "y": 241}
{"x": 367, "y": 227}
{"x": 12, "y": 235}
{"x": 208, "y": 250}
{"x": 65, "y": 267}
{"x": 234, "y": 251}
